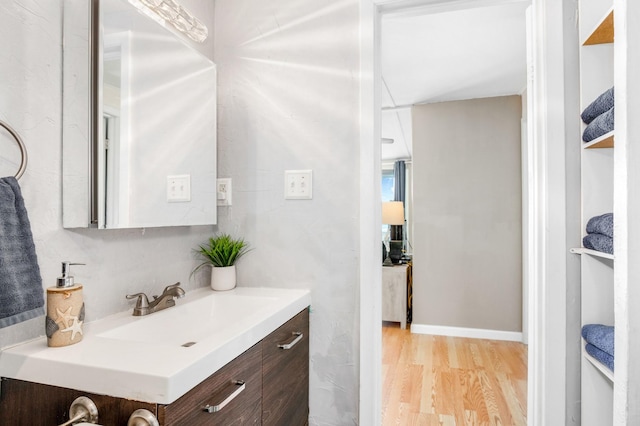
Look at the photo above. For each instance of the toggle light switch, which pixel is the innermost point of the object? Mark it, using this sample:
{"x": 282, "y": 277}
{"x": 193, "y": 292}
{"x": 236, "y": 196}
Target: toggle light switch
{"x": 298, "y": 184}
{"x": 179, "y": 188}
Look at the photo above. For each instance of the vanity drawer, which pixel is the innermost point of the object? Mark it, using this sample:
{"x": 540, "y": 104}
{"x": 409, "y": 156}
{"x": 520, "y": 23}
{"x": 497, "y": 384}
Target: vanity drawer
{"x": 243, "y": 409}
{"x": 285, "y": 373}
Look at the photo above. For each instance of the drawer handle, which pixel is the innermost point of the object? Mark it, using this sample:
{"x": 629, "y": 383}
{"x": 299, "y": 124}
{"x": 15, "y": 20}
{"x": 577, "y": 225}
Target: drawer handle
{"x": 233, "y": 389}
{"x": 298, "y": 336}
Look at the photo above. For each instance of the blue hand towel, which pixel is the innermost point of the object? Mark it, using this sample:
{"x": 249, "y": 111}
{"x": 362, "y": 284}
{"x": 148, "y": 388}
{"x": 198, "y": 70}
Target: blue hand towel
{"x": 21, "y": 294}
{"x": 601, "y": 356}
{"x": 602, "y": 103}
{"x": 599, "y": 126}
{"x": 602, "y": 224}
{"x": 598, "y": 242}
{"x": 600, "y": 336}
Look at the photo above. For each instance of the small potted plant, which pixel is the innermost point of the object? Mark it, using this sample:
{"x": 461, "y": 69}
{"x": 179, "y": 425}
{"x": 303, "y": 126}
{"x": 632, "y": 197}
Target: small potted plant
{"x": 221, "y": 253}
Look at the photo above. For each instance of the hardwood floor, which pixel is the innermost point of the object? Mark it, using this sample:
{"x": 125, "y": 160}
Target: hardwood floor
{"x": 436, "y": 380}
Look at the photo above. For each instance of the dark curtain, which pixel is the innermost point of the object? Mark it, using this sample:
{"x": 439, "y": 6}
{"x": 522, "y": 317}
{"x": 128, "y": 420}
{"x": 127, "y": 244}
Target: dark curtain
{"x": 399, "y": 188}
{"x": 399, "y": 179}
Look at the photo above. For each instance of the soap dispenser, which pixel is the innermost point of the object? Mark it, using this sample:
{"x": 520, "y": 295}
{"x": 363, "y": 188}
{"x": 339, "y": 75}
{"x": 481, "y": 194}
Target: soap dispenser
{"x": 65, "y": 310}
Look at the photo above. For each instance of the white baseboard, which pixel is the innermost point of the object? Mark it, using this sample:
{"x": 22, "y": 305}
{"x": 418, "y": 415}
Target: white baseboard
{"x": 474, "y": 333}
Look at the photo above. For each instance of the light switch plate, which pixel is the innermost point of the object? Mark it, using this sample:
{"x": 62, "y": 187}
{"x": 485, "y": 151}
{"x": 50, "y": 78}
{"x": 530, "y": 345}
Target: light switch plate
{"x": 179, "y": 188}
{"x": 298, "y": 184}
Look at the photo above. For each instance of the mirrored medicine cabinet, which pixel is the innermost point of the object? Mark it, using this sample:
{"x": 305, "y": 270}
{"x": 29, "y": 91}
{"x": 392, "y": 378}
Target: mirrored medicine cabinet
{"x": 139, "y": 121}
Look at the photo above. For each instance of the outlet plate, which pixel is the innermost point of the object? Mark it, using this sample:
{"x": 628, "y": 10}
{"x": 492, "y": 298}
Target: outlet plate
{"x": 178, "y": 188}
{"x": 298, "y": 184}
{"x": 223, "y": 191}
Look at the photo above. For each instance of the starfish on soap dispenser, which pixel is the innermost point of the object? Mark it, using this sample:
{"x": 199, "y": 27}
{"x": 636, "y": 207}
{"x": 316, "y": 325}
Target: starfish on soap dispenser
{"x": 76, "y": 327}
{"x": 65, "y": 317}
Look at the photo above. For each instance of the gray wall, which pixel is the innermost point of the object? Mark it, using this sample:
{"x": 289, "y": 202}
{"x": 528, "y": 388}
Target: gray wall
{"x": 467, "y": 214}
{"x": 288, "y": 99}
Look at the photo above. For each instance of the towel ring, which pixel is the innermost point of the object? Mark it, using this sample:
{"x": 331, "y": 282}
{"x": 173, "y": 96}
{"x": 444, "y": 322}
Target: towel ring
{"x": 23, "y": 149}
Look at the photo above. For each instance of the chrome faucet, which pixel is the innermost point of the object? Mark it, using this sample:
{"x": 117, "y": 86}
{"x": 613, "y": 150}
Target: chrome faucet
{"x": 165, "y": 300}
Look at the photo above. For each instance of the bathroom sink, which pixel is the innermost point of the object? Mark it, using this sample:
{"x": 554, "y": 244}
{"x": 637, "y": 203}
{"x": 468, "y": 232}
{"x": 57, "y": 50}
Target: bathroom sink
{"x": 158, "y": 357}
{"x": 186, "y": 324}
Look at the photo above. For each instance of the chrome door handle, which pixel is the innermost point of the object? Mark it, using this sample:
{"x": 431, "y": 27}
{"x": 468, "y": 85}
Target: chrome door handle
{"x": 298, "y": 336}
{"x": 228, "y": 393}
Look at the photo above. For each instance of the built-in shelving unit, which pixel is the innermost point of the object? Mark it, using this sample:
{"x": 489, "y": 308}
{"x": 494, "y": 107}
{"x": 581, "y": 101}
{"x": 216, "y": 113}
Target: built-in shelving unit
{"x": 596, "y": 25}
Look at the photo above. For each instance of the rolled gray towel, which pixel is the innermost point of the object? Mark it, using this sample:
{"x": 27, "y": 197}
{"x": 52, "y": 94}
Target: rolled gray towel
{"x": 599, "y": 126}
{"x": 603, "y": 103}
{"x": 598, "y": 242}
{"x": 602, "y": 224}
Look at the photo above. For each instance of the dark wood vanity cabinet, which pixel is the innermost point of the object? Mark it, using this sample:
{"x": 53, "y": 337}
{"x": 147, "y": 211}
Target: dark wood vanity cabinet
{"x": 285, "y": 373}
{"x": 273, "y": 374}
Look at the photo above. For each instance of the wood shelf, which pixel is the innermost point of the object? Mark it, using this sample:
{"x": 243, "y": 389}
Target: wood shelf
{"x": 595, "y": 253}
{"x": 603, "y": 33}
{"x": 604, "y": 141}
{"x": 597, "y": 364}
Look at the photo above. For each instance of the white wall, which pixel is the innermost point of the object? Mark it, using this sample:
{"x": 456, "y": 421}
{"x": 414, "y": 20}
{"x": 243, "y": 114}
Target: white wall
{"x": 468, "y": 214}
{"x": 288, "y": 93}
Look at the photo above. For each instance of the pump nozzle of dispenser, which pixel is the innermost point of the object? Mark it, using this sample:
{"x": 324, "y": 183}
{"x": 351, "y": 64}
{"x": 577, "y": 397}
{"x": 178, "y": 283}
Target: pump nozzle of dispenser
{"x": 66, "y": 280}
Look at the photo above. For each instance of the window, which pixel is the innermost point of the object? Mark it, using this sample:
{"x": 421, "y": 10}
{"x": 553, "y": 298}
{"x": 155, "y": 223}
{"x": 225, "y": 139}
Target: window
{"x": 387, "y": 193}
{"x": 387, "y": 185}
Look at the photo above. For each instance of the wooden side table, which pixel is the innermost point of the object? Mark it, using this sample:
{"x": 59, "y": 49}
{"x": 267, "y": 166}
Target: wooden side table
{"x": 394, "y": 294}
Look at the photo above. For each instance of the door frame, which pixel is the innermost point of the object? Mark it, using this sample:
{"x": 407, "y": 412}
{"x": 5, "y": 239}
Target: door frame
{"x": 548, "y": 214}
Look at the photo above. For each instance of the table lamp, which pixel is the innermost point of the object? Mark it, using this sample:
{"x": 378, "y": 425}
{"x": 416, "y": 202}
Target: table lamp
{"x": 393, "y": 215}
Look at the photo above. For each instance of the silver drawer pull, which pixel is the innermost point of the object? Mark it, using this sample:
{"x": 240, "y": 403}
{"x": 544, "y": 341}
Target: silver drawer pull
{"x": 292, "y": 343}
{"x": 230, "y": 391}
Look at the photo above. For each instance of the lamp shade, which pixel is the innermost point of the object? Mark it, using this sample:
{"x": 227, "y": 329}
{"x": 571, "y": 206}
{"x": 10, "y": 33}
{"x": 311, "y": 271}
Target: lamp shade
{"x": 392, "y": 213}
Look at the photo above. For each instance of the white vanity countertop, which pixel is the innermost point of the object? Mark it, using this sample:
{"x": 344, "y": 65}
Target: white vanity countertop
{"x": 142, "y": 358}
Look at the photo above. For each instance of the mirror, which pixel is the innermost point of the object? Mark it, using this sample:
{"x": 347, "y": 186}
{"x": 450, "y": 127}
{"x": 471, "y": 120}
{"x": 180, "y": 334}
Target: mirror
{"x": 139, "y": 121}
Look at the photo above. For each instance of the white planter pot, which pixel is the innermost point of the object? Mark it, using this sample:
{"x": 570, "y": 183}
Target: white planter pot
{"x": 223, "y": 278}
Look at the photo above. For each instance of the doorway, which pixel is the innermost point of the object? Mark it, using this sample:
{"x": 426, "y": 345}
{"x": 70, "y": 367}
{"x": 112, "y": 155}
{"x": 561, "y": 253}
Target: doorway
{"x": 383, "y": 9}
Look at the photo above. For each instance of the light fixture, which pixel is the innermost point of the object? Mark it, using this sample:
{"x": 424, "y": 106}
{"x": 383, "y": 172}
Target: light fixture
{"x": 393, "y": 215}
{"x": 170, "y": 12}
